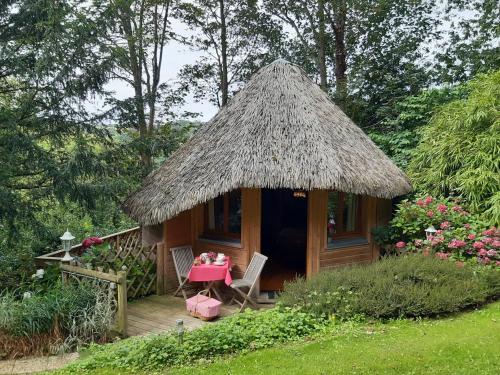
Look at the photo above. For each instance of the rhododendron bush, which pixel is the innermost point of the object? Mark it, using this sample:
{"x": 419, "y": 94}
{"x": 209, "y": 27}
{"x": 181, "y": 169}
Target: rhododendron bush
{"x": 459, "y": 236}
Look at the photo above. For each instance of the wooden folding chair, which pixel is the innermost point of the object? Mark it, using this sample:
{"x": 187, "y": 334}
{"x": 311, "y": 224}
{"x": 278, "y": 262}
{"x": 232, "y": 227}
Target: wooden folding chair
{"x": 249, "y": 281}
{"x": 183, "y": 261}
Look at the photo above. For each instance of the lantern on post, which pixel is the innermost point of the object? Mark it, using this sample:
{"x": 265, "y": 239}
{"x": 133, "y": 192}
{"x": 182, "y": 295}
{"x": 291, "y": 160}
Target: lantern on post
{"x": 66, "y": 239}
{"x": 430, "y": 232}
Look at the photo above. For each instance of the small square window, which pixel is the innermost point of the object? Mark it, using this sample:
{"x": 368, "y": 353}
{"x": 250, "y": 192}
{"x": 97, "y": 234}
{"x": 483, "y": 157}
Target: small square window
{"x": 344, "y": 215}
{"x": 223, "y": 216}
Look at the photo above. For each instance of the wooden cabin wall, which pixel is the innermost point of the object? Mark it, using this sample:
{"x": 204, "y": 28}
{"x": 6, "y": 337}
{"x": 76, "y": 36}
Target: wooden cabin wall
{"x": 176, "y": 232}
{"x": 374, "y": 213}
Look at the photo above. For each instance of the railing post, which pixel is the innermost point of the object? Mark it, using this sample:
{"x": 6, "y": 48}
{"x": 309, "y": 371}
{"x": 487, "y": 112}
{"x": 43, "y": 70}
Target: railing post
{"x": 121, "y": 315}
{"x": 160, "y": 275}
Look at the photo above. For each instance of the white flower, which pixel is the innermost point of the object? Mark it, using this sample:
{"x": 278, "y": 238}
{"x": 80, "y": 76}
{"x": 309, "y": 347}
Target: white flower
{"x": 40, "y": 272}
{"x": 26, "y": 295}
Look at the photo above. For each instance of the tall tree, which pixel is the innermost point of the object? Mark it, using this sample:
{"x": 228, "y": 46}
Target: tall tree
{"x": 236, "y": 38}
{"x": 136, "y": 34}
{"x": 47, "y": 137}
{"x": 469, "y": 44}
{"x": 366, "y": 43}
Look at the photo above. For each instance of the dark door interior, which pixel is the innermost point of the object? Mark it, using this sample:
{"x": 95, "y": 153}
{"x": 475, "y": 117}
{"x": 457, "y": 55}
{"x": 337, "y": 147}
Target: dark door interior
{"x": 283, "y": 237}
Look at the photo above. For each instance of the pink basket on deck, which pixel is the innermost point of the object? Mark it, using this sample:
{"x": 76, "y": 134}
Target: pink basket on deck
{"x": 203, "y": 307}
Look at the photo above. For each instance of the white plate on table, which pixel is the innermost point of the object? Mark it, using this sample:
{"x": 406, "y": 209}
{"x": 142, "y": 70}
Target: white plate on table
{"x": 220, "y": 263}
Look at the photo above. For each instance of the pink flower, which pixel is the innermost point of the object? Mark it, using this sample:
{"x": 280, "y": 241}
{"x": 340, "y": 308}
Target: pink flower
{"x": 401, "y": 245}
{"x": 488, "y": 240}
{"x": 418, "y": 243}
{"x": 491, "y": 253}
{"x": 496, "y": 243}
{"x": 457, "y": 208}
{"x": 442, "y": 208}
{"x": 445, "y": 225}
{"x": 430, "y": 213}
{"x": 442, "y": 255}
{"x": 483, "y": 252}
{"x": 428, "y": 200}
{"x": 497, "y": 263}
{"x": 467, "y": 226}
{"x": 478, "y": 245}
{"x": 420, "y": 203}
{"x": 455, "y": 244}
{"x": 471, "y": 236}
{"x": 489, "y": 232}
{"x": 439, "y": 231}
{"x": 91, "y": 241}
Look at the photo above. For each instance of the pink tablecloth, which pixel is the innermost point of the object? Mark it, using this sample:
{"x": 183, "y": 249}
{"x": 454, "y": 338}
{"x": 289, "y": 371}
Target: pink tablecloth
{"x": 212, "y": 272}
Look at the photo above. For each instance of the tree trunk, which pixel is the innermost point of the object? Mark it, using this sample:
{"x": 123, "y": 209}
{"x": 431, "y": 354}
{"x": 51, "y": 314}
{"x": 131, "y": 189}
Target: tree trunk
{"x": 223, "y": 38}
{"x": 136, "y": 68}
{"x": 340, "y": 53}
{"x": 322, "y": 46}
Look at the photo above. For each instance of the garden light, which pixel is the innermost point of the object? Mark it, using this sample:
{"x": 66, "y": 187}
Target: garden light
{"x": 66, "y": 239}
{"x": 179, "y": 323}
{"x": 429, "y": 232}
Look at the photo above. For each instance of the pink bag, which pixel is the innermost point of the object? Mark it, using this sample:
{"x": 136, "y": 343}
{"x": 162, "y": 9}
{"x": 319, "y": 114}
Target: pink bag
{"x": 203, "y": 307}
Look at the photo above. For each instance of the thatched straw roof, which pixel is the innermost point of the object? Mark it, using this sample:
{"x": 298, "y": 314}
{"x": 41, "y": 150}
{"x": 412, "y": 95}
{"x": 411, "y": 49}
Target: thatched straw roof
{"x": 280, "y": 131}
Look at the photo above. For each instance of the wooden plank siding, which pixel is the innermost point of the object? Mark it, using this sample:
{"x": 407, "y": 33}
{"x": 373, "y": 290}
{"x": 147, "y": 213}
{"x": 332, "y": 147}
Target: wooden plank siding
{"x": 374, "y": 212}
{"x": 187, "y": 229}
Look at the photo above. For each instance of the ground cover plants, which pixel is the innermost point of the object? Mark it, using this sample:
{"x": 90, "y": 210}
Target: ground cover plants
{"x": 235, "y": 334}
{"x": 463, "y": 344}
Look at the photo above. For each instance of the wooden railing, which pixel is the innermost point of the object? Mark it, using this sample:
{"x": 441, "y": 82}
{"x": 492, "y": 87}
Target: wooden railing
{"x": 126, "y": 251}
{"x": 127, "y": 240}
{"x": 113, "y": 282}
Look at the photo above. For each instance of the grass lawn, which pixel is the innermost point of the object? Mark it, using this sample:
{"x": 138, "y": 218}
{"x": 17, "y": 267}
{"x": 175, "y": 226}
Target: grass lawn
{"x": 466, "y": 344}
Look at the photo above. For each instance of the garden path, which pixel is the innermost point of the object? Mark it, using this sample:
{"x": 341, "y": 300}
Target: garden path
{"x": 33, "y": 365}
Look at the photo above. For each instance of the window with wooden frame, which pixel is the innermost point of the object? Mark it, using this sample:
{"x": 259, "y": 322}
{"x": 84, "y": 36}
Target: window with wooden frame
{"x": 344, "y": 216}
{"x": 223, "y": 216}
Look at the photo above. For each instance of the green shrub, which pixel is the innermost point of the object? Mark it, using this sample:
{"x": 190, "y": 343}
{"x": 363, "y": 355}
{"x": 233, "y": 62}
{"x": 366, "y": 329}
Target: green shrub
{"x": 405, "y": 286}
{"x": 74, "y": 314}
{"x": 459, "y": 236}
{"x": 242, "y": 332}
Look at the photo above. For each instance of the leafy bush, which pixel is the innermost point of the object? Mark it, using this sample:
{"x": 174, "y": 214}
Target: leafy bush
{"x": 405, "y": 286}
{"x": 460, "y": 236}
{"x": 72, "y": 315}
{"x": 460, "y": 149}
{"x": 242, "y": 332}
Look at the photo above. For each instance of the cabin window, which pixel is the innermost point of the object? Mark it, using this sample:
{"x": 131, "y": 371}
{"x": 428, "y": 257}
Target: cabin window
{"x": 344, "y": 216}
{"x": 223, "y": 216}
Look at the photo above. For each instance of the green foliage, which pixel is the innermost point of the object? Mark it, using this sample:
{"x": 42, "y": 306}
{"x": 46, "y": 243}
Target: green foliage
{"x": 463, "y": 344}
{"x": 460, "y": 149}
{"x": 400, "y": 132}
{"x": 459, "y": 236}
{"x": 62, "y": 308}
{"x": 242, "y": 332}
{"x": 405, "y": 286}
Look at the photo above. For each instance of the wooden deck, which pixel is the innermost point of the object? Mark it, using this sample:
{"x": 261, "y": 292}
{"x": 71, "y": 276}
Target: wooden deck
{"x": 155, "y": 314}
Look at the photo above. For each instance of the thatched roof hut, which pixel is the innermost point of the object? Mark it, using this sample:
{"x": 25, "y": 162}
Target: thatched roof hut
{"x": 280, "y": 131}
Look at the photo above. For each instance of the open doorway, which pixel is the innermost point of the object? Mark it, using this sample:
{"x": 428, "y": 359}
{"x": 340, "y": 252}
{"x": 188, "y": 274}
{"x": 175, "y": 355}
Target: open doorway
{"x": 283, "y": 237}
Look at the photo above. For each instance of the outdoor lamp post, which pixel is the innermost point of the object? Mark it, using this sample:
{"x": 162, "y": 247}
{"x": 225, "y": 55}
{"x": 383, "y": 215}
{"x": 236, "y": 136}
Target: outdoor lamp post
{"x": 66, "y": 239}
{"x": 430, "y": 232}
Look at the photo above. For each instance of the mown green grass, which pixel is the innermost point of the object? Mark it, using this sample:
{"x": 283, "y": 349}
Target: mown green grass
{"x": 465, "y": 344}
